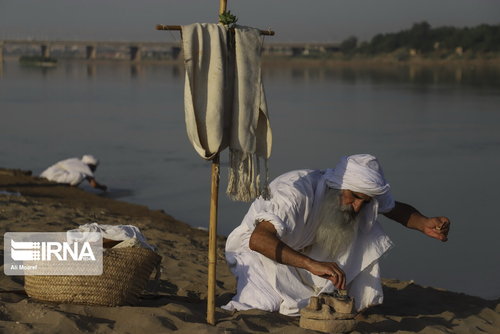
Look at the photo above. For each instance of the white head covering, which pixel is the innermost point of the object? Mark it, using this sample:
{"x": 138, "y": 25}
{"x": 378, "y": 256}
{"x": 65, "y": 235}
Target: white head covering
{"x": 362, "y": 173}
{"x": 90, "y": 160}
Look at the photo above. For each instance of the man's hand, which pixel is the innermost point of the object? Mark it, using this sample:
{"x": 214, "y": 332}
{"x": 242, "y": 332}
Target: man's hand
{"x": 329, "y": 270}
{"x": 435, "y": 227}
{"x": 264, "y": 240}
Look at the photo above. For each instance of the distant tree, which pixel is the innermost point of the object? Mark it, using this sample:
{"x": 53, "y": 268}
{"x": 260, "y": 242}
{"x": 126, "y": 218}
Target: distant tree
{"x": 493, "y": 38}
{"x": 376, "y": 44}
{"x": 483, "y": 38}
{"x": 363, "y": 48}
{"x": 423, "y": 38}
{"x": 349, "y": 44}
{"x": 448, "y": 37}
{"x": 390, "y": 43}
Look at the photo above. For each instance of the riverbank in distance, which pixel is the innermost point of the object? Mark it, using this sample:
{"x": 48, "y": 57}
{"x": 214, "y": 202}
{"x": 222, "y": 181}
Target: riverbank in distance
{"x": 332, "y": 60}
{"x": 387, "y": 59}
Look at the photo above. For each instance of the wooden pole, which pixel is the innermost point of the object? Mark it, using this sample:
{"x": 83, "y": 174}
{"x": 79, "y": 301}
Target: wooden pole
{"x": 212, "y": 230}
{"x": 212, "y": 241}
{"x": 222, "y": 6}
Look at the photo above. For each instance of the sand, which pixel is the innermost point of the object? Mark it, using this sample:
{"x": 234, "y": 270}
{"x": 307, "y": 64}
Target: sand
{"x": 30, "y": 204}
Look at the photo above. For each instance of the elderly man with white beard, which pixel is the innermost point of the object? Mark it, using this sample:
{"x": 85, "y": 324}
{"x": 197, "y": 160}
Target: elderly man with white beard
{"x": 318, "y": 232}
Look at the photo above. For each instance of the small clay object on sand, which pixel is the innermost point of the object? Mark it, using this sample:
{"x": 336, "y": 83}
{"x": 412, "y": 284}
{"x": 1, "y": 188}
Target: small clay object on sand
{"x": 329, "y": 313}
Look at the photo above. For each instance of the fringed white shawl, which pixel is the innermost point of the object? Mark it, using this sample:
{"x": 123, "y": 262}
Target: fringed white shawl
{"x": 225, "y": 104}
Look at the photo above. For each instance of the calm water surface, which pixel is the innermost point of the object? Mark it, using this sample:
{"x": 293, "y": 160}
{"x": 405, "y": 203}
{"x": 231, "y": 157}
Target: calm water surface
{"x": 436, "y": 132}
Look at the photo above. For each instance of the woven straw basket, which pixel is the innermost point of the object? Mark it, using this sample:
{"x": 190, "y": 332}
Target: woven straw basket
{"x": 126, "y": 272}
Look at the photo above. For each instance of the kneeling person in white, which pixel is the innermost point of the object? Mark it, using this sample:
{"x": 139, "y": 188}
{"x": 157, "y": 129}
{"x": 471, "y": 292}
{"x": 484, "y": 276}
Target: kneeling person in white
{"x": 318, "y": 232}
{"x": 74, "y": 171}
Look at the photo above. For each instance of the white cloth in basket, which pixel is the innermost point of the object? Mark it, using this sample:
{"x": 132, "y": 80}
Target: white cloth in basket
{"x": 113, "y": 232}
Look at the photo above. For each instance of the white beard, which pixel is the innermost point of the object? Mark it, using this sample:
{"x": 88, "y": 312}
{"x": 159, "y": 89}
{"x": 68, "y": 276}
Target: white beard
{"x": 338, "y": 225}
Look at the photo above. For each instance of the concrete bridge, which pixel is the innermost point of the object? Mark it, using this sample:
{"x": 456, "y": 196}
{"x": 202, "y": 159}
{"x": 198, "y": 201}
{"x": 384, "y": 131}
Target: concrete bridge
{"x": 173, "y": 49}
{"x": 91, "y": 47}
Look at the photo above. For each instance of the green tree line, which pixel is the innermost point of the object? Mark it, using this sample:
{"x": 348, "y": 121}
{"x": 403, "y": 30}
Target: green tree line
{"x": 424, "y": 39}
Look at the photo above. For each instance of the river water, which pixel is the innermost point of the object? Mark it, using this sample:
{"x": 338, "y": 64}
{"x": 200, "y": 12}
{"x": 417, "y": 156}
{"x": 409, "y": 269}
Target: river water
{"x": 436, "y": 132}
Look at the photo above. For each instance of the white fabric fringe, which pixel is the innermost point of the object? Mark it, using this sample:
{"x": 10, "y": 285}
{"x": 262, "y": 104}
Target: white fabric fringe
{"x": 245, "y": 177}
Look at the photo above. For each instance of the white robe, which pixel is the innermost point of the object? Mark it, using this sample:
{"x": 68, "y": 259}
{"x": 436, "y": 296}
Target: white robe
{"x": 70, "y": 171}
{"x": 295, "y": 200}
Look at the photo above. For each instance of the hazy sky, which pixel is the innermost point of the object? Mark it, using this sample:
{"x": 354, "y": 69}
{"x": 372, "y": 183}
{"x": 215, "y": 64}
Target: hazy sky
{"x": 293, "y": 20}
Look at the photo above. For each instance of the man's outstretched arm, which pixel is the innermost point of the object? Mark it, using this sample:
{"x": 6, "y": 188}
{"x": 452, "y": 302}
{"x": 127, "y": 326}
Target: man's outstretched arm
{"x": 434, "y": 227}
{"x": 264, "y": 240}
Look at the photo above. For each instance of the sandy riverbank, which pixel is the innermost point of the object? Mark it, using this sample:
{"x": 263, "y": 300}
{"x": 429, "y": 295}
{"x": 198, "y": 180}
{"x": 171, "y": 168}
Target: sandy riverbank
{"x": 31, "y": 204}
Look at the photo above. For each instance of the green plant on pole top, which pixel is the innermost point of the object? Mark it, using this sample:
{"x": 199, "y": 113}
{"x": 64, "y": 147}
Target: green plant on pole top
{"x": 227, "y": 18}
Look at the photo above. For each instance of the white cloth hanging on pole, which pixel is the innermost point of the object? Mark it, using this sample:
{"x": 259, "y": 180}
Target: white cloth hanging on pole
{"x": 205, "y": 101}
{"x": 225, "y": 104}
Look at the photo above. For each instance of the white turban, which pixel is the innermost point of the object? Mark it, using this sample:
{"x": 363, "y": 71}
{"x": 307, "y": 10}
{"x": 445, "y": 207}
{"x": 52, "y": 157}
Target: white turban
{"x": 362, "y": 173}
{"x": 90, "y": 160}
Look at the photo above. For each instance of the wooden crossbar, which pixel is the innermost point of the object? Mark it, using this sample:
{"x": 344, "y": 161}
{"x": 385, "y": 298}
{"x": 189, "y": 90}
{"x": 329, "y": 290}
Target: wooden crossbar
{"x": 175, "y": 27}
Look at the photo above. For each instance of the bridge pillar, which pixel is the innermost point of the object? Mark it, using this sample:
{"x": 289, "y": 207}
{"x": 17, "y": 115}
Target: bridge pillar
{"x": 135, "y": 53}
{"x": 175, "y": 52}
{"x": 45, "y": 50}
{"x": 1, "y": 52}
{"x": 297, "y": 51}
{"x": 90, "y": 52}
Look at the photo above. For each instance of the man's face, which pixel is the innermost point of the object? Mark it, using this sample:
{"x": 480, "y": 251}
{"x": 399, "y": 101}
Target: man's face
{"x": 354, "y": 199}
{"x": 337, "y": 224}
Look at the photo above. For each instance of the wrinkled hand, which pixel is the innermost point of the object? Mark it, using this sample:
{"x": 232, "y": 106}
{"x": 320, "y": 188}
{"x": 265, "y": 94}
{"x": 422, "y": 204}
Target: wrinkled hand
{"x": 436, "y": 227}
{"x": 329, "y": 270}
